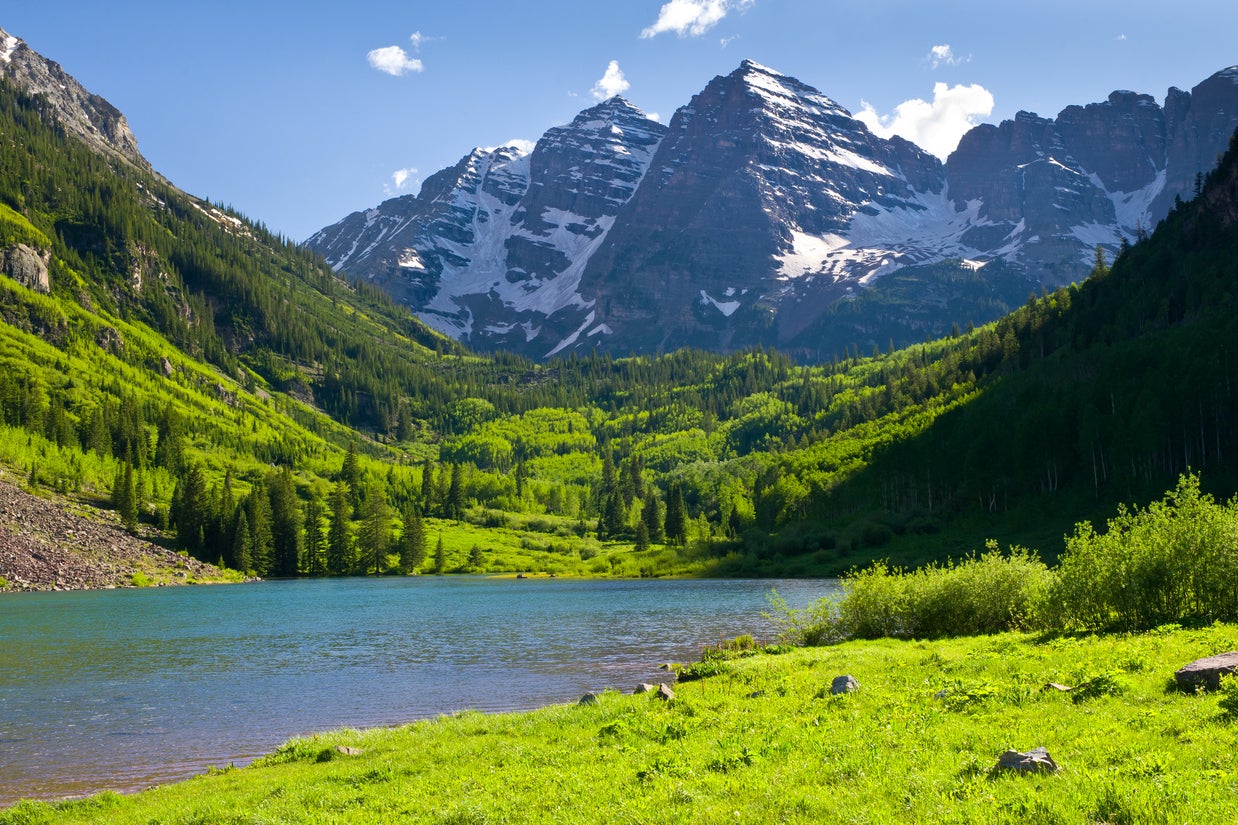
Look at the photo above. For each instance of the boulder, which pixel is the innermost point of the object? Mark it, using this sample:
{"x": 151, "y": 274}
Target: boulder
{"x": 589, "y": 699}
{"x": 348, "y": 751}
{"x": 643, "y": 687}
{"x": 844, "y": 684}
{"x": 1207, "y": 673}
{"x": 665, "y": 693}
{"x": 1036, "y": 760}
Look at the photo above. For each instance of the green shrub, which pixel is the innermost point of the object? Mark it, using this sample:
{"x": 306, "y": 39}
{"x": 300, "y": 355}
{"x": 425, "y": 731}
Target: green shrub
{"x": 140, "y": 579}
{"x": 989, "y": 593}
{"x": 1175, "y": 561}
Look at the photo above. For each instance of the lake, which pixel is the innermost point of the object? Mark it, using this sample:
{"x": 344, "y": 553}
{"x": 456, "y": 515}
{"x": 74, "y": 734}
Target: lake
{"x": 123, "y": 689}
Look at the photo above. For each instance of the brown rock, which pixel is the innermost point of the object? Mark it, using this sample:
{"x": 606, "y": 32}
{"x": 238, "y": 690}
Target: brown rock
{"x": 1207, "y": 673}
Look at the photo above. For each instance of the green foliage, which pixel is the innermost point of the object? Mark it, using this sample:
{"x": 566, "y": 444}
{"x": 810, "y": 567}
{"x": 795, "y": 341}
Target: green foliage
{"x": 1173, "y": 561}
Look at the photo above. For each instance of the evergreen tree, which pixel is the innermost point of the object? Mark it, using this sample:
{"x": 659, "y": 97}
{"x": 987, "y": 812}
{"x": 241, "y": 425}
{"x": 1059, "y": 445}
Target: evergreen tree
{"x": 239, "y": 557}
{"x": 455, "y": 495}
{"x": 125, "y": 496}
{"x": 412, "y": 541}
{"x": 315, "y": 544}
{"x": 375, "y": 537}
{"x": 261, "y": 539}
{"x": 286, "y": 522}
{"x": 350, "y": 474}
{"x": 427, "y": 487}
{"x": 191, "y": 511}
{"x": 676, "y": 525}
{"x": 339, "y": 539}
{"x": 651, "y": 516}
{"x": 642, "y": 537}
{"x": 476, "y": 558}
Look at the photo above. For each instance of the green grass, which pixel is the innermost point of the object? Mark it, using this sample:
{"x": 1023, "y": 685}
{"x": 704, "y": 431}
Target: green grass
{"x": 762, "y": 741}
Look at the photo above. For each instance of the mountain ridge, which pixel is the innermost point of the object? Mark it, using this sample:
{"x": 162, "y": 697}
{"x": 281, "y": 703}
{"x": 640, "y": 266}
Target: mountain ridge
{"x": 768, "y": 210}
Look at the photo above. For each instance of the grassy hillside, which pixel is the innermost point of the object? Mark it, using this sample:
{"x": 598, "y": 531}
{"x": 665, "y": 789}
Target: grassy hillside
{"x": 762, "y": 740}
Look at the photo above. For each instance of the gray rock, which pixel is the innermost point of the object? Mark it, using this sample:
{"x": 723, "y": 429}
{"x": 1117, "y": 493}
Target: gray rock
{"x": 1207, "y": 672}
{"x": 665, "y": 693}
{"x": 348, "y": 751}
{"x": 844, "y": 684}
{"x": 1057, "y": 687}
{"x": 28, "y": 266}
{"x": 1036, "y": 760}
{"x": 643, "y": 687}
{"x": 589, "y": 699}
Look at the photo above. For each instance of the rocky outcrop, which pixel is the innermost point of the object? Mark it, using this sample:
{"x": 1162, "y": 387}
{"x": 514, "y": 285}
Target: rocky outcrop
{"x": 96, "y": 121}
{"x": 28, "y": 266}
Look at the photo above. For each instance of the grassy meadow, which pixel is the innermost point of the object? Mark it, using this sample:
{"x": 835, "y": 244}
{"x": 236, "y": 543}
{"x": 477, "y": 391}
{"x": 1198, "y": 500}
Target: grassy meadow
{"x": 761, "y": 740}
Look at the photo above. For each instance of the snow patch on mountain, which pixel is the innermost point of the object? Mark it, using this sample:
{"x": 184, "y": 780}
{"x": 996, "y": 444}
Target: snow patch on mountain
{"x": 9, "y": 46}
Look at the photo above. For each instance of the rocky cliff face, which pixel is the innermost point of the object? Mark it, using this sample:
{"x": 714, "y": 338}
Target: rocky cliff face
{"x": 766, "y": 214}
{"x": 90, "y": 117}
{"x": 491, "y": 251}
{"x": 1050, "y": 190}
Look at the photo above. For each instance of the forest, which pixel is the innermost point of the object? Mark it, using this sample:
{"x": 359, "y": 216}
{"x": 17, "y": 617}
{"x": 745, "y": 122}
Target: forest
{"x": 224, "y": 390}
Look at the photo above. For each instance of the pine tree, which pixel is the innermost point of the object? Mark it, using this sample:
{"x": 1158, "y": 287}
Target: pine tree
{"x": 676, "y": 516}
{"x": 315, "y": 544}
{"x": 455, "y": 495}
{"x": 125, "y": 496}
{"x": 261, "y": 539}
{"x": 286, "y": 522}
{"x": 239, "y": 557}
{"x": 642, "y": 537}
{"x": 375, "y": 538}
{"x": 651, "y": 516}
{"x": 412, "y": 541}
{"x": 339, "y": 539}
{"x": 476, "y": 559}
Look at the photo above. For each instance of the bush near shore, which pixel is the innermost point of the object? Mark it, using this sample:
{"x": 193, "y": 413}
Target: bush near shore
{"x": 1173, "y": 561}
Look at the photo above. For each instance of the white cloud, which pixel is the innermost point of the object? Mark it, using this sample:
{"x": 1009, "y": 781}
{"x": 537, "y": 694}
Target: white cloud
{"x": 417, "y": 38}
{"x": 612, "y": 83}
{"x": 1121, "y": 37}
{"x": 692, "y": 18}
{"x": 936, "y": 127}
{"x": 726, "y": 41}
{"x": 943, "y": 55}
{"x": 401, "y": 176}
{"x": 393, "y": 60}
{"x": 654, "y": 116}
{"x": 525, "y": 146}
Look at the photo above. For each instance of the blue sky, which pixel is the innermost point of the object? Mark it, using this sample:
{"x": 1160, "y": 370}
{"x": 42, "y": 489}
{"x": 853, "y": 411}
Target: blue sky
{"x": 299, "y": 113}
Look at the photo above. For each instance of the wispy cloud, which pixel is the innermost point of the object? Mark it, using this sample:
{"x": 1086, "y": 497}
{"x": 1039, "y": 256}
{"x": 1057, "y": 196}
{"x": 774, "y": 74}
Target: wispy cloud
{"x": 612, "y": 83}
{"x": 401, "y": 176}
{"x": 943, "y": 55}
{"x": 393, "y": 60}
{"x": 1121, "y": 37}
{"x": 692, "y": 18}
{"x": 936, "y": 127}
{"x": 402, "y": 180}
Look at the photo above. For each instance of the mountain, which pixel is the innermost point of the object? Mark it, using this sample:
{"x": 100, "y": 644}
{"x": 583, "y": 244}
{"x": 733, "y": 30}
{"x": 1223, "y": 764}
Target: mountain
{"x": 492, "y": 248}
{"x": 766, "y": 214}
{"x": 91, "y": 118}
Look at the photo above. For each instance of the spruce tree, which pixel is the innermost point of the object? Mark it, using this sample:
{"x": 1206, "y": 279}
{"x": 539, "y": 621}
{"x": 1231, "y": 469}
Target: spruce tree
{"x": 339, "y": 540}
{"x": 455, "y": 494}
{"x": 412, "y": 541}
{"x": 375, "y": 538}
{"x": 676, "y": 516}
{"x": 315, "y": 544}
{"x": 125, "y": 496}
{"x": 651, "y": 516}
{"x": 239, "y": 557}
{"x": 286, "y": 522}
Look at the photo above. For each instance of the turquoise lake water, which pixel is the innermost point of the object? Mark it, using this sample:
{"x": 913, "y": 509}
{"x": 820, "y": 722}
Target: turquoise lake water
{"x": 124, "y": 689}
